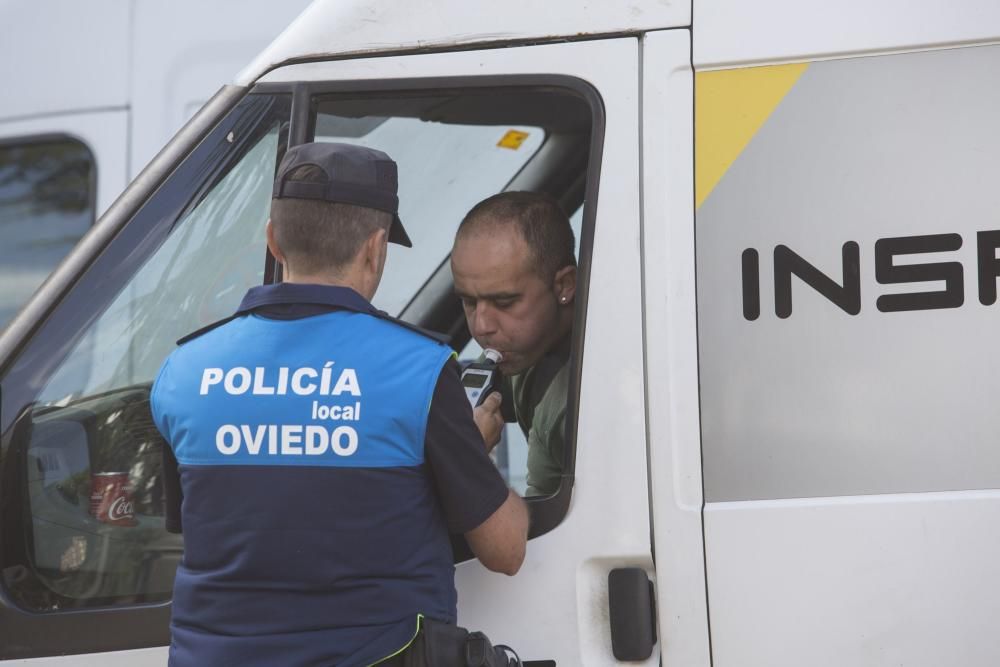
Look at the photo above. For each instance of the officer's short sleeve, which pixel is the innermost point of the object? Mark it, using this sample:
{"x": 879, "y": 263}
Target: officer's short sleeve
{"x": 156, "y": 400}
{"x": 172, "y": 493}
{"x": 468, "y": 484}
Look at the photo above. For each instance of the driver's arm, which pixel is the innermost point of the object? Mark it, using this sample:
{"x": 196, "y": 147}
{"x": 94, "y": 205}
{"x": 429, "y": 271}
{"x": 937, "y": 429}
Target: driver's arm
{"x": 473, "y": 495}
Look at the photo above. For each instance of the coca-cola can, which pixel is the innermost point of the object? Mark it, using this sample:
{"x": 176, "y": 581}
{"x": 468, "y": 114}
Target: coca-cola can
{"x": 111, "y": 498}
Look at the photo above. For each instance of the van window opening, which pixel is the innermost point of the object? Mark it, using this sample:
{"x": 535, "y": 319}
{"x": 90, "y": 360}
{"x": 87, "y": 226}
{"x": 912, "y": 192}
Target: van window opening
{"x": 452, "y": 153}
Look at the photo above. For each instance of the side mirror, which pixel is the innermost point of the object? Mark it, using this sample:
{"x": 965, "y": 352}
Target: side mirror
{"x": 83, "y": 504}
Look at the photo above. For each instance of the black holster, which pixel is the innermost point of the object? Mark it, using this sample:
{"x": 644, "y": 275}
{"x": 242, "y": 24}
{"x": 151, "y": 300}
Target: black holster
{"x": 446, "y": 645}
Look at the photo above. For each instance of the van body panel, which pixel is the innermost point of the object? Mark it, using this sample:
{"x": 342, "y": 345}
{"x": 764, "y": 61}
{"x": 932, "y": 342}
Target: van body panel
{"x": 857, "y": 156}
{"x": 671, "y": 344}
{"x": 846, "y": 286}
{"x": 907, "y": 579}
{"x": 88, "y": 70}
{"x": 329, "y": 29}
{"x": 219, "y": 38}
{"x": 733, "y": 33}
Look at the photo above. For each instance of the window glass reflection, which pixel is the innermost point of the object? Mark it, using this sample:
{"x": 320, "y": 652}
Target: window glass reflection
{"x": 46, "y": 205}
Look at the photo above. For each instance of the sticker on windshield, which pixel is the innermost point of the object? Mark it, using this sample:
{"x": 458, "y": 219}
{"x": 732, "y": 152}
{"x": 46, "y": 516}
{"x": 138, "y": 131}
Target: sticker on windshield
{"x": 512, "y": 139}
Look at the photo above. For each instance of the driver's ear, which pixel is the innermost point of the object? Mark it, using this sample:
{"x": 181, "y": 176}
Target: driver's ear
{"x": 564, "y": 284}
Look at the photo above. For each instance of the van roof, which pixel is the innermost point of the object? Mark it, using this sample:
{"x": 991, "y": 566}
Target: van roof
{"x": 733, "y": 33}
{"x": 727, "y": 33}
{"x": 336, "y": 28}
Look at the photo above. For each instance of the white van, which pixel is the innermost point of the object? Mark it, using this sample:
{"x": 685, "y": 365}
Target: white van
{"x": 90, "y": 93}
{"x": 780, "y": 401}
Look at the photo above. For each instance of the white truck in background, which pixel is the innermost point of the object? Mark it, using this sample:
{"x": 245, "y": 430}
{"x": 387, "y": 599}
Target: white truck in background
{"x": 89, "y": 93}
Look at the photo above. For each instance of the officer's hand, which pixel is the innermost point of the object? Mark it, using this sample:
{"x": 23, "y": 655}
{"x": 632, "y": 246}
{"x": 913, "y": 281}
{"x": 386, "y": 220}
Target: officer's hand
{"x": 489, "y": 420}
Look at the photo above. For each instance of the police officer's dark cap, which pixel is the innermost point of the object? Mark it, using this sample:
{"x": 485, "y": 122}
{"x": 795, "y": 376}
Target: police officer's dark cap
{"x": 354, "y": 175}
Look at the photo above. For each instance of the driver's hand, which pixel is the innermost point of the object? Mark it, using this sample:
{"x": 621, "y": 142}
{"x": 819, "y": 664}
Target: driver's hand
{"x": 489, "y": 420}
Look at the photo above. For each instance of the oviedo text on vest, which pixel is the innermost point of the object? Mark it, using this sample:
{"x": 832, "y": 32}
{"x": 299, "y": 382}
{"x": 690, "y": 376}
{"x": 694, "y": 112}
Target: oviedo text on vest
{"x": 290, "y": 439}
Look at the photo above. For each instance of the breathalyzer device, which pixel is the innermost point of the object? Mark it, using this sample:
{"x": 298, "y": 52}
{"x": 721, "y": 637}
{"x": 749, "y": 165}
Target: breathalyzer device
{"x": 482, "y": 378}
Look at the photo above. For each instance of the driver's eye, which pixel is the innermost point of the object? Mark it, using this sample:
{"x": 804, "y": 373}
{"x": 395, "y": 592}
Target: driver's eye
{"x": 468, "y": 304}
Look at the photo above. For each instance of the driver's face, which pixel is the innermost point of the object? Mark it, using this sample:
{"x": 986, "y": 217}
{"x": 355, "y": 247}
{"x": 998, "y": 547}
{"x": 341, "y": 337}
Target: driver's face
{"x": 508, "y": 306}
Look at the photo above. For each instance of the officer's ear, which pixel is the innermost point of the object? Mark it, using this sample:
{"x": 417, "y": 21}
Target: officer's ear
{"x": 272, "y": 244}
{"x": 374, "y": 251}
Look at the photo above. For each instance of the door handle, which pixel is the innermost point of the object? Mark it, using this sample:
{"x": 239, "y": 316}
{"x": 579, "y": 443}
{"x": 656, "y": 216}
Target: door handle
{"x": 632, "y": 611}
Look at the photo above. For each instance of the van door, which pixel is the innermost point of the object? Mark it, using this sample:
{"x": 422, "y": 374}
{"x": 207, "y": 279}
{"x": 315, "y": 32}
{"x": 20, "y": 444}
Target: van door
{"x": 556, "y": 609}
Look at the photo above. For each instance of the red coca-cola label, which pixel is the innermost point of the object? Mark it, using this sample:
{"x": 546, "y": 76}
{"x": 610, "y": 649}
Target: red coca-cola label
{"x": 111, "y": 499}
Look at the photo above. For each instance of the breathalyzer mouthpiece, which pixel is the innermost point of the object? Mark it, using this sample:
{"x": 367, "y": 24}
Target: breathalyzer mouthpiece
{"x": 493, "y": 355}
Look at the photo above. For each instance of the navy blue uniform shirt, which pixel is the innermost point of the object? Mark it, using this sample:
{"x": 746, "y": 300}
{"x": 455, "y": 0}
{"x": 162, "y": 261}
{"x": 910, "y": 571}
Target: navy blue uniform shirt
{"x": 320, "y": 454}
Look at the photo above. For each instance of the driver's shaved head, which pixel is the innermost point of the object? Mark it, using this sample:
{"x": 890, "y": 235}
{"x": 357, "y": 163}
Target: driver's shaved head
{"x": 538, "y": 219}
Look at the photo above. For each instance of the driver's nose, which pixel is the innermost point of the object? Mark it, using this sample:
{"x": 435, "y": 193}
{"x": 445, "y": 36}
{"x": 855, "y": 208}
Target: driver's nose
{"x": 482, "y": 323}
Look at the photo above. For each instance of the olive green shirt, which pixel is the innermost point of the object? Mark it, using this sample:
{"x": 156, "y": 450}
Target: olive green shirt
{"x": 538, "y": 397}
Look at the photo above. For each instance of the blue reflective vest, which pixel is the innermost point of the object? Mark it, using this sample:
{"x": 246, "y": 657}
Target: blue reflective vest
{"x": 313, "y": 535}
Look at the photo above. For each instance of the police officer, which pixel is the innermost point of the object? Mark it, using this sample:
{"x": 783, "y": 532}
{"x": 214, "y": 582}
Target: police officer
{"x": 323, "y": 450}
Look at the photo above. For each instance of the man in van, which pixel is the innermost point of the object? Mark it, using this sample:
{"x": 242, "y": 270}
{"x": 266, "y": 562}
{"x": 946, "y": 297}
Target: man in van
{"x": 515, "y": 272}
{"x": 325, "y": 450}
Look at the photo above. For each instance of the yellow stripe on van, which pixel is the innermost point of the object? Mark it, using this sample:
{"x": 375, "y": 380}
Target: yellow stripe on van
{"x": 730, "y": 107}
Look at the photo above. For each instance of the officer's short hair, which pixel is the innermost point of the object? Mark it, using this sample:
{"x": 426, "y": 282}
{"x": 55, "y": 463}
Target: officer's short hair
{"x": 320, "y": 236}
{"x": 538, "y": 218}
